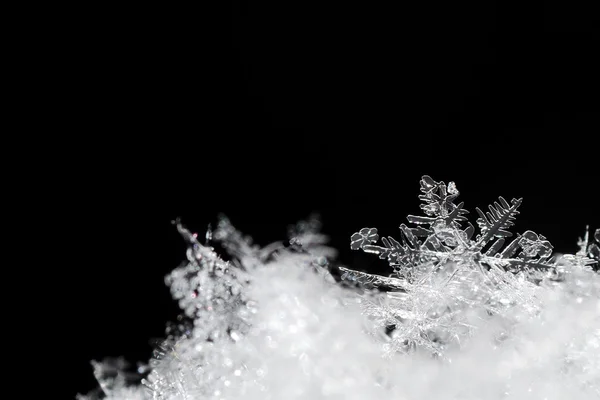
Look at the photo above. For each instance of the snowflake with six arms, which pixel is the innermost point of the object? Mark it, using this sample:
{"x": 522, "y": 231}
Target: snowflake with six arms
{"x": 444, "y": 279}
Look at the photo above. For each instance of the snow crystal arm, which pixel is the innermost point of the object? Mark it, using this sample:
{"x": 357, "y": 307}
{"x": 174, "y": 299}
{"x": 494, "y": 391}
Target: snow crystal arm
{"x": 587, "y": 249}
{"x": 392, "y": 250}
{"x": 409, "y": 238}
{"x": 420, "y": 220}
{"x": 496, "y": 222}
{"x": 534, "y": 264}
{"x": 374, "y": 280}
{"x": 495, "y": 247}
{"x": 469, "y": 231}
{"x": 437, "y": 198}
{"x": 511, "y": 249}
{"x": 457, "y": 214}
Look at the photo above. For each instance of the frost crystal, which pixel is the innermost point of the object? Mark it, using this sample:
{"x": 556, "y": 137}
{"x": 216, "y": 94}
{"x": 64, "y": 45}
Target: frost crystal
{"x": 587, "y": 249}
{"x": 443, "y": 278}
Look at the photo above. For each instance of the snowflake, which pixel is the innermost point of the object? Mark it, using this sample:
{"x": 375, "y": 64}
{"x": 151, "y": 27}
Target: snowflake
{"x": 363, "y": 237}
{"x": 440, "y": 269}
{"x": 534, "y": 245}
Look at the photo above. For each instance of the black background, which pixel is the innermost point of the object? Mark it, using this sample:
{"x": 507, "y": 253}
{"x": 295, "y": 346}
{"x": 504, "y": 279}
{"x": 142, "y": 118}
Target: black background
{"x": 270, "y": 111}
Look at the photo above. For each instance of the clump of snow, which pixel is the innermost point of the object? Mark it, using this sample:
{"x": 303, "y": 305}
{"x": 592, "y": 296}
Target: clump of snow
{"x": 273, "y": 323}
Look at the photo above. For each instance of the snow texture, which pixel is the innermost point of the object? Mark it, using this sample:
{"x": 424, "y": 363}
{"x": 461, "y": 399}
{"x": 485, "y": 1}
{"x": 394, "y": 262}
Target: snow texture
{"x": 460, "y": 317}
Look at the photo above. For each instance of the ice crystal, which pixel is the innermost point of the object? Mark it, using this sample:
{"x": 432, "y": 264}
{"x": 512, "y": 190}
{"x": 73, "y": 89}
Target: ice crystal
{"x": 443, "y": 278}
{"x": 589, "y": 249}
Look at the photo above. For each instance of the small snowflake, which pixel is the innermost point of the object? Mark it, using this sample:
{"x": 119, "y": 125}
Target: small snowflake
{"x": 534, "y": 245}
{"x": 363, "y": 237}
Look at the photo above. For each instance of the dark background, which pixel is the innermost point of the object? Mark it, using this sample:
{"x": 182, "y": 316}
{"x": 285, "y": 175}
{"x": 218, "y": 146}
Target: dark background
{"x": 267, "y": 112}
